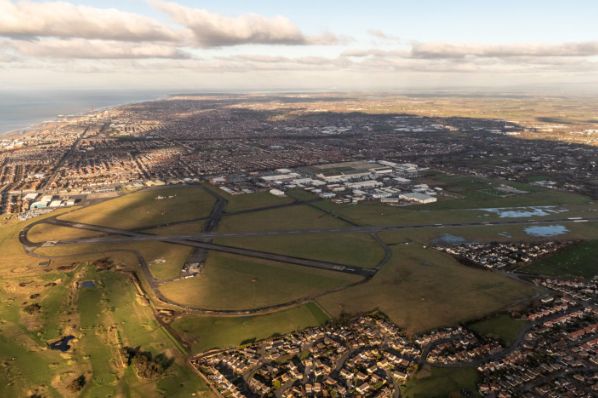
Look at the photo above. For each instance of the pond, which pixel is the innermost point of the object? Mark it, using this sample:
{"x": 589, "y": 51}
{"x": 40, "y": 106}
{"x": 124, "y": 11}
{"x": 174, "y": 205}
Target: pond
{"x": 546, "y": 230}
{"x": 87, "y": 284}
{"x": 62, "y": 344}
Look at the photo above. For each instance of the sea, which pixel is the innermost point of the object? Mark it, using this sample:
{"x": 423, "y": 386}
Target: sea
{"x": 25, "y": 108}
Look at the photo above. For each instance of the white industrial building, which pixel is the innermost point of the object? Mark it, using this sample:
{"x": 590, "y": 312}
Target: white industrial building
{"x": 417, "y": 197}
{"x": 277, "y": 192}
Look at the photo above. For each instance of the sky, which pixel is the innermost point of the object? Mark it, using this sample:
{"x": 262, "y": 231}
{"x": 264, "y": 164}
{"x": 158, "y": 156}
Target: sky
{"x": 323, "y": 45}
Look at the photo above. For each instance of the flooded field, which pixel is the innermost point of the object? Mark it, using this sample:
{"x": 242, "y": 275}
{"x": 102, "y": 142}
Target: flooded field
{"x": 546, "y": 230}
{"x": 523, "y": 212}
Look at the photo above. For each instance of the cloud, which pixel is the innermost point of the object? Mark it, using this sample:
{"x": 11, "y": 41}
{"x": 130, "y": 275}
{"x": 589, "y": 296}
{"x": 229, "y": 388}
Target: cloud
{"x": 380, "y": 34}
{"x": 26, "y": 19}
{"x": 93, "y": 49}
{"x": 214, "y": 30}
{"x": 450, "y": 50}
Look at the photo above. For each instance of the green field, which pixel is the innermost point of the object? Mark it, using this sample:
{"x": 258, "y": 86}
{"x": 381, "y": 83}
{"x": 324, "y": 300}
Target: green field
{"x": 286, "y": 218}
{"x": 501, "y": 327}
{"x": 14, "y": 261}
{"x": 103, "y": 319}
{"x": 113, "y": 315}
{"x": 164, "y": 259}
{"x": 234, "y": 282}
{"x": 44, "y": 232}
{"x": 189, "y": 228}
{"x": 352, "y": 249}
{"x": 143, "y": 208}
{"x": 203, "y": 333}
{"x": 579, "y": 259}
{"x": 420, "y": 289}
{"x": 243, "y": 202}
{"x": 476, "y": 192}
{"x": 441, "y": 383}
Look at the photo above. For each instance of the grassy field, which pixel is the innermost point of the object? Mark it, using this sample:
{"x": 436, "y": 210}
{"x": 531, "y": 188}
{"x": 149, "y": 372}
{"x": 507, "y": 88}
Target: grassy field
{"x": 203, "y": 333}
{"x": 249, "y": 201}
{"x": 178, "y": 229}
{"x": 142, "y": 208}
{"x": 102, "y": 318}
{"x": 441, "y": 383}
{"x": 502, "y": 233}
{"x": 44, "y": 232}
{"x": 113, "y": 315}
{"x": 476, "y": 192}
{"x": 501, "y": 326}
{"x": 27, "y": 366}
{"x": 352, "y": 249}
{"x": 164, "y": 259}
{"x": 286, "y": 218}
{"x": 235, "y": 282}
{"x": 14, "y": 261}
{"x": 576, "y": 260}
{"x": 421, "y": 289}
{"x": 375, "y": 213}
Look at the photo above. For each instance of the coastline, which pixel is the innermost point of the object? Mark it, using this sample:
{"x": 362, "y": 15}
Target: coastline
{"x": 32, "y": 125}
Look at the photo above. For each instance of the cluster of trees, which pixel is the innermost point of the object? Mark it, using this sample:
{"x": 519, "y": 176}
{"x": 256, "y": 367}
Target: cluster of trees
{"x": 145, "y": 363}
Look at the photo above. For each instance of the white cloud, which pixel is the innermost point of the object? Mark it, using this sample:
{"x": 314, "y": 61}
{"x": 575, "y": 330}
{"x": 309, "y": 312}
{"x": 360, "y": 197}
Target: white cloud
{"x": 26, "y": 19}
{"x": 93, "y": 49}
{"x": 452, "y": 50}
{"x": 214, "y": 30}
{"x": 380, "y": 34}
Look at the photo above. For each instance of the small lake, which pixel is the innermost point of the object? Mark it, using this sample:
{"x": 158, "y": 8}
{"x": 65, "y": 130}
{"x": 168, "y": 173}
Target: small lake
{"x": 62, "y": 344}
{"x": 523, "y": 212}
{"x": 546, "y": 230}
{"x": 87, "y": 284}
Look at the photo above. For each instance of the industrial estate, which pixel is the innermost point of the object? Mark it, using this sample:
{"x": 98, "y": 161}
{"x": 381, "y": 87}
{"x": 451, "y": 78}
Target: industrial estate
{"x": 294, "y": 245}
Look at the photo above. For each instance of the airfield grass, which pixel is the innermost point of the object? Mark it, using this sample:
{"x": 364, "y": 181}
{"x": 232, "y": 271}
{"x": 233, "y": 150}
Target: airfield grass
{"x": 249, "y": 201}
{"x": 478, "y": 192}
{"x": 461, "y": 201}
{"x": 141, "y": 209}
{"x": 441, "y": 383}
{"x": 287, "y": 218}
{"x": 500, "y": 326}
{"x": 14, "y": 260}
{"x": 254, "y": 201}
{"x": 45, "y": 232}
{"x": 421, "y": 289}
{"x": 203, "y": 332}
{"x": 235, "y": 282}
{"x": 165, "y": 260}
{"x": 579, "y": 259}
{"x": 376, "y": 213}
{"x": 177, "y": 229}
{"x": 491, "y": 233}
{"x": 351, "y": 248}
